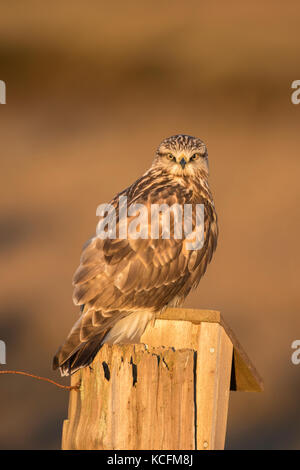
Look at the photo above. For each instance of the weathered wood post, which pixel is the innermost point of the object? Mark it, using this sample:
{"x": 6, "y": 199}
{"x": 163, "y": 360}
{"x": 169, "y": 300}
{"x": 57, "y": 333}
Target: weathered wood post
{"x": 169, "y": 393}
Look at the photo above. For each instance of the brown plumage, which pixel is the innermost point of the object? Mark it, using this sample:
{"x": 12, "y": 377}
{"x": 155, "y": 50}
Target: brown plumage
{"x": 121, "y": 283}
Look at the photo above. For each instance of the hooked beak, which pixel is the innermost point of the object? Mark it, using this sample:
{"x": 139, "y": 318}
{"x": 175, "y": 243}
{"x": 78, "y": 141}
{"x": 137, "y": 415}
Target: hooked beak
{"x": 182, "y": 163}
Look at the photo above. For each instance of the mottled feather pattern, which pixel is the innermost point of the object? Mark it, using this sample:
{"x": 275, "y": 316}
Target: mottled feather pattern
{"x": 126, "y": 281}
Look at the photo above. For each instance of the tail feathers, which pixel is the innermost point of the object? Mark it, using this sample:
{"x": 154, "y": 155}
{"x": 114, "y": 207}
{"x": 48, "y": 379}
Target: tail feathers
{"x": 81, "y": 358}
{"x": 91, "y": 330}
{"x": 83, "y": 342}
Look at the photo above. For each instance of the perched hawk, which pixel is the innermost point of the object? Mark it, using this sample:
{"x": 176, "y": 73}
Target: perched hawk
{"x": 122, "y": 282}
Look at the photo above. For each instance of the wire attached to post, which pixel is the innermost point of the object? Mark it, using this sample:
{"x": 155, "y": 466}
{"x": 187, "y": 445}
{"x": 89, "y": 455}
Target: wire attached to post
{"x": 45, "y": 379}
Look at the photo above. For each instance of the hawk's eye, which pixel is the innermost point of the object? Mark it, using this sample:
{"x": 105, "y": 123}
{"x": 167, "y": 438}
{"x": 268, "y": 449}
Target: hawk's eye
{"x": 171, "y": 157}
{"x": 194, "y": 157}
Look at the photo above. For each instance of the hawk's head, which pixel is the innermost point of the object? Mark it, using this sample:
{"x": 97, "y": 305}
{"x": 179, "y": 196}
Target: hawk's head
{"x": 182, "y": 155}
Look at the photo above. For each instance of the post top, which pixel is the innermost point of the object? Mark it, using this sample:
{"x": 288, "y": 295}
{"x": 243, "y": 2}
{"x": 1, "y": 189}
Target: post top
{"x": 244, "y": 376}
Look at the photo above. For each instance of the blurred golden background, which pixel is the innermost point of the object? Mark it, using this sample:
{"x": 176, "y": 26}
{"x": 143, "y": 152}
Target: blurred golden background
{"x": 92, "y": 88}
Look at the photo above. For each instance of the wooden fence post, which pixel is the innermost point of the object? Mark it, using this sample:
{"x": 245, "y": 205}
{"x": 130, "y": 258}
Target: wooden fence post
{"x": 169, "y": 393}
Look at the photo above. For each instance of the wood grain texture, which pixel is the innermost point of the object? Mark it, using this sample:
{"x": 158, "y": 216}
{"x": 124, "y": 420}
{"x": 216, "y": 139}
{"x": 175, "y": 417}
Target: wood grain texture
{"x": 213, "y": 371}
{"x": 134, "y": 398}
{"x": 214, "y": 352}
{"x": 171, "y": 392}
{"x": 245, "y": 377}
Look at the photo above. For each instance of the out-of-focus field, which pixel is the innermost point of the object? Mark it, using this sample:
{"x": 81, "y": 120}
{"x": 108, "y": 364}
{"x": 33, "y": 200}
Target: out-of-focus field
{"x": 92, "y": 88}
